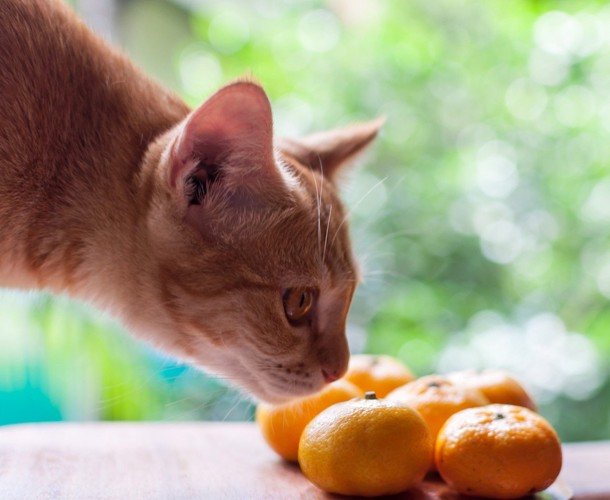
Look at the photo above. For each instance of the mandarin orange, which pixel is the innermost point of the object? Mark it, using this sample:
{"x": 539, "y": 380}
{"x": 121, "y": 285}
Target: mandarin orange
{"x": 436, "y": 398}
{"x": 282, "y": 425}
{"x": 498, "y": 451}
{"x": 378, "y": 373}
{"x": 497, "y": 386}
{"x": 366, "y": 447}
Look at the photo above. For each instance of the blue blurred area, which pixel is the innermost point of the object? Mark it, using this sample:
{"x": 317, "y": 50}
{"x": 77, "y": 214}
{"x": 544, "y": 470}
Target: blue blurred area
{"x": 29, "y": 403}
{"x": 60, "y": 360}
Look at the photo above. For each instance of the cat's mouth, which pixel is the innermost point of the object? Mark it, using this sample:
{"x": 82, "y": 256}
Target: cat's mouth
{"x": 280, "y": 393}
{"x": 271, "y": 381}
{"x": 280, "y": 390}
{"x": 281, "y": 384}
{"x": 273, "y": 384}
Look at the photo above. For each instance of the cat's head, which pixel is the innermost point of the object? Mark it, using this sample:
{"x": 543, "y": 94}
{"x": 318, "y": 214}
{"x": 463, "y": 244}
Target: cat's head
{"x": 248, "y": 244}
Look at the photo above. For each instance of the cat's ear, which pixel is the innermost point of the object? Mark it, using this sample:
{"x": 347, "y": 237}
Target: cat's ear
{"x": 229, "y": 138}
{"x": 328, "y": 151}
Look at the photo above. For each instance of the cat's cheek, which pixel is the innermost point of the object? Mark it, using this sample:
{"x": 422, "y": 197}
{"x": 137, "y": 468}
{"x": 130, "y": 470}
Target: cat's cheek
{"x": 331, "y": 345}
{"x": 277, "y": 382}
{"x": 218, "y": 363}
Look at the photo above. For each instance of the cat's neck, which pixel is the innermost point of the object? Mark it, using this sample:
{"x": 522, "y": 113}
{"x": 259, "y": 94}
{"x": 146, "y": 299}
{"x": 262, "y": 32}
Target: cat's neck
{"x": 81, "y": 119}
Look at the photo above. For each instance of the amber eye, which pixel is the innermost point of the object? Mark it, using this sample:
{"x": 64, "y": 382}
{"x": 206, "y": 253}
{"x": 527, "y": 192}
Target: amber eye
{"x": 298, "y": 303}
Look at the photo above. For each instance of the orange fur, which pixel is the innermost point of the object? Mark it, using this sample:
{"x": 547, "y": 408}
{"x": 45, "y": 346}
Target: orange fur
{"x": 96, "y": 163}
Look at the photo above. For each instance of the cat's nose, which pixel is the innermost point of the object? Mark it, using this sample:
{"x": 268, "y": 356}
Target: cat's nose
{"x": 333, "y": 351}
{"x": 330, "y": 376}
{"x": 335, "y": 367}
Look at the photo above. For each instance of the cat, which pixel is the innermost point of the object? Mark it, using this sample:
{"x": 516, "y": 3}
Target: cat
{"x": 201, "y": 232}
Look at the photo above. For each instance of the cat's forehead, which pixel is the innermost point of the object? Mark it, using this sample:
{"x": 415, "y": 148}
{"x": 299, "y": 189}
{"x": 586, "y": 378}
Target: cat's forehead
{"x": 299, "y": 236}
{"x": 311, "y": 238}
{"x": 305, "y": 244}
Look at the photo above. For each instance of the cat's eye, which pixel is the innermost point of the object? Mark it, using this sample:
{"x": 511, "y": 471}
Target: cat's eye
{"x": 299, "y": 303}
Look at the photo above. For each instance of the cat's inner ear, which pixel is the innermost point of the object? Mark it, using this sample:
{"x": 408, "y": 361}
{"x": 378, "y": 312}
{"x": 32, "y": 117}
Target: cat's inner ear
{"x": 328, "y": 151}
{"x": 228, "y": 138}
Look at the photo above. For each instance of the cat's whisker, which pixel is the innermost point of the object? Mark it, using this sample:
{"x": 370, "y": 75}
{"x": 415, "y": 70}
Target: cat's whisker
{"x": 321, "y": 176}
{"x": 382, "y": 276}
{"x": 210, "y": 395}
{"x": 351, "y": 211}
{"x": 376, "y": 281}
{"x": 167, "y": 364}
{"x": 209, "y": 403}
{"x": 318, "y": 198}
{"x": 319, "y": 204}
{"x": 371, "y": 259}
{"x": 369, "y": 255}
{"x": 238, "y": 401}
{"x": 366, "y": 262}
{"x": 380, "y": 215}
{"x": 390, "y": 237}
{"x": 129, "y": 391}
{"x": 385, "y": 272}
{"x": 330, "y": 213}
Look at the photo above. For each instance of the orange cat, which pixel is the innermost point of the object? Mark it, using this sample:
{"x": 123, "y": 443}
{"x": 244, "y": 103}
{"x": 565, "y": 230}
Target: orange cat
{"x": 199, "y": 231}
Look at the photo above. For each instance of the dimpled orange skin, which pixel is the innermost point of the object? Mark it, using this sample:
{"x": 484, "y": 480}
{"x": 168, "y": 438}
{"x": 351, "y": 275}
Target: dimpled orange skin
{"x": 436, "y": 398}
{"x": 497, "y": 386}
{"x": 498, "y": 451}
{"x": 366, "y": 448}
{"x": 282, "y": 425}
{"x": 378, "y": 373}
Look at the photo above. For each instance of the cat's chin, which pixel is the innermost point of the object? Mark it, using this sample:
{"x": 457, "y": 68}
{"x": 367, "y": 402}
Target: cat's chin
{"x": 262, "y": 385}
{"x": 263, "y": 389}
{"x": 277, "y": 391}
{"x": 279, "y": 398}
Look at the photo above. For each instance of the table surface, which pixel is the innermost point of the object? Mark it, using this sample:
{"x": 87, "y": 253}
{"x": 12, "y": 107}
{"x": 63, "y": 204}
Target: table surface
{"x": 201, "y": 460}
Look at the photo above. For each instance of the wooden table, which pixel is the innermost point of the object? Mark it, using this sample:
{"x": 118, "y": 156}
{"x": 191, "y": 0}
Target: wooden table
{"x": 196, "y": 460}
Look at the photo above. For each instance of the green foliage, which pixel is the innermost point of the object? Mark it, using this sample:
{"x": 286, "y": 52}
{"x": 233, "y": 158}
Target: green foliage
{"x": 481, "y": 216}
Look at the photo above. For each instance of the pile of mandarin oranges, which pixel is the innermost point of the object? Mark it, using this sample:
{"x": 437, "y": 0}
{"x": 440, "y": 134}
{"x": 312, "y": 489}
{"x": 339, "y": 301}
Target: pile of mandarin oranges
{"x": 380, "y": 430}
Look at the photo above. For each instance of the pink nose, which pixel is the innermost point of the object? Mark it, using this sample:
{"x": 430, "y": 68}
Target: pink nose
{"x": 330, "y": 377}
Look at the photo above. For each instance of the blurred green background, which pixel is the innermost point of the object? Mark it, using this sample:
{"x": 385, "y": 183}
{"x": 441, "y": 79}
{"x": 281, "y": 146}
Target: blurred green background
{"x": 481, "y": 216}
